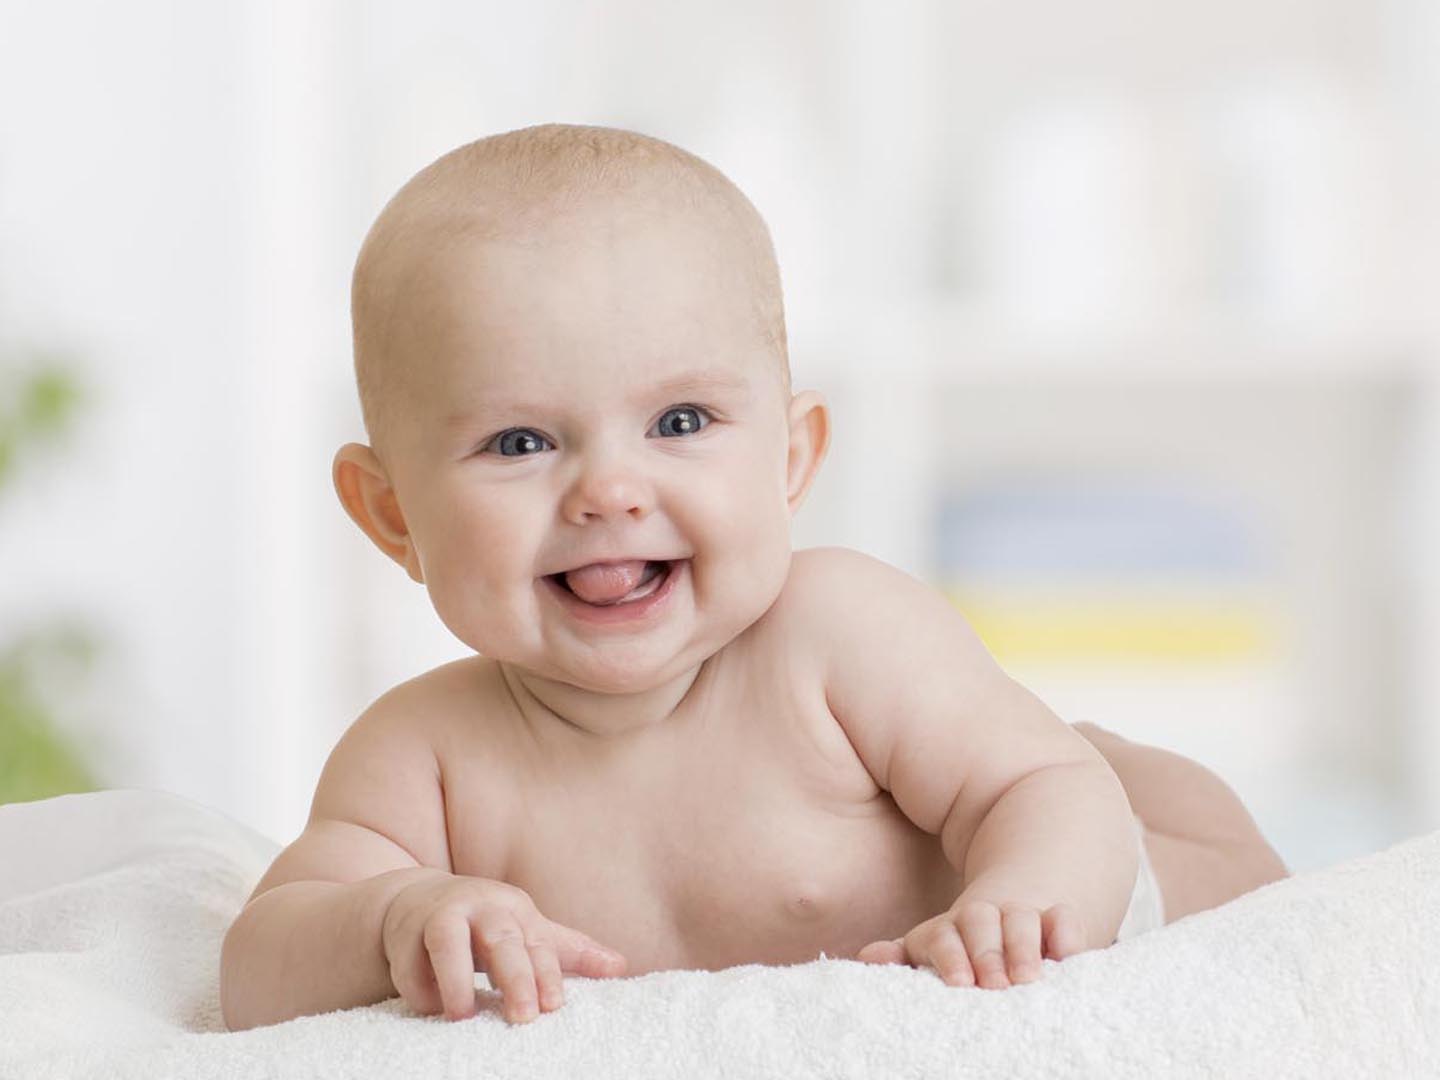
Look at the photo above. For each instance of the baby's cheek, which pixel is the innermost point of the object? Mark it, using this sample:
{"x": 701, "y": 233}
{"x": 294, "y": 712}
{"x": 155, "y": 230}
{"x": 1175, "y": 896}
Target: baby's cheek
{"x": 474, "y": 613}
{"x": 456, "y": 612}
{"x": 751, "y": 576}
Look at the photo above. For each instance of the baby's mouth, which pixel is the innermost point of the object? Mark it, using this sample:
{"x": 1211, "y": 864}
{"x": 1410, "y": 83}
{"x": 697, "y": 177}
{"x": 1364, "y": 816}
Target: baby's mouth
{"x": 610, "y": 583}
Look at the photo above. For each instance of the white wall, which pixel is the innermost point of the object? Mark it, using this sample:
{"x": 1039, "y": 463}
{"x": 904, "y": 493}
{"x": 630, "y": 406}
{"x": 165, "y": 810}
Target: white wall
{"x": 126, "y": 205}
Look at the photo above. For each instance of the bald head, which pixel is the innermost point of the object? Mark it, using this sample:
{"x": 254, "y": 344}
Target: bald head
{"x": 541, "y": 185}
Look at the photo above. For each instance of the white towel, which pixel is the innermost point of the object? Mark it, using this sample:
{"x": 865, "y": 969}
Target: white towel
{"x": 113, "y": 906}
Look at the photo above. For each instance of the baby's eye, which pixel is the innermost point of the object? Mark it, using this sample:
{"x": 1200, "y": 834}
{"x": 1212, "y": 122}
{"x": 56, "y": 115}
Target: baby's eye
{"x": 681, "y": 420}
{"x": 518, "y": 442}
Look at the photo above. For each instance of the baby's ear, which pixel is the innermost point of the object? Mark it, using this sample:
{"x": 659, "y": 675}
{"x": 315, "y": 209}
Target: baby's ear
{"x": 368, "y": 497}
{"x": 809, "y": 439}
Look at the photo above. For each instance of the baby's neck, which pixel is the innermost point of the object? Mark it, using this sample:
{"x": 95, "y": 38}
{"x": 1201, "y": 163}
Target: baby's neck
{"x": 560, "y": 710}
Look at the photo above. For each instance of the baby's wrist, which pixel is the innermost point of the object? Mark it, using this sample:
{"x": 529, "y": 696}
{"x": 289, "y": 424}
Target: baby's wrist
{"x": 374, "y": 895}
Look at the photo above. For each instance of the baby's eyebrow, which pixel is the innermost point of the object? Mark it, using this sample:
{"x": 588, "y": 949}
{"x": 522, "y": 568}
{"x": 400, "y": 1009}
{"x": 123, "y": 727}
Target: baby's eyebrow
{"x": 701, "y": 382}
{"x": 718, "y": 381}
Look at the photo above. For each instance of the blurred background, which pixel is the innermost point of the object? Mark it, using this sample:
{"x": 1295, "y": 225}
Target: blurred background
{"x": 1126, "y": 310}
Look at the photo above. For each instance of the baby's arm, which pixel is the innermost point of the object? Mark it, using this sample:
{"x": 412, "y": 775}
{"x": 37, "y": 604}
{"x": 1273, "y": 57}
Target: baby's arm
{"x": 1030, "y": 814}
{"x": 308, "y": 940}
{"x": 364, "y": 905}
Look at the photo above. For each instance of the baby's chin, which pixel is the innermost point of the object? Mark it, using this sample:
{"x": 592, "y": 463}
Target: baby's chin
{"x": 622, "y": 675}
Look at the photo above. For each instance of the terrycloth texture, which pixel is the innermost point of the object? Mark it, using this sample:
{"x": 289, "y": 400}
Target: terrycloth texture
{"x": 113, "y": 905}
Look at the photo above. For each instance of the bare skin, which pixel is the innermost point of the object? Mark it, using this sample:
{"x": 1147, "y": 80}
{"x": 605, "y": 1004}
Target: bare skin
{"x": 740, "y": 832}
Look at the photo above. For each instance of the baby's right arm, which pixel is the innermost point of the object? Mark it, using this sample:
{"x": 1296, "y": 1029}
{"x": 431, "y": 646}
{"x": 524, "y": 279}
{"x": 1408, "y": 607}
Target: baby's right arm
{"x": 347, "y": 915}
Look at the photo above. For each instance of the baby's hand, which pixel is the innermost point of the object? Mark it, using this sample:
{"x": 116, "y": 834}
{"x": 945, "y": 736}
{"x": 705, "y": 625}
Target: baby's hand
{"x": 978, "y": 942}
{"x": 443, "y": 928}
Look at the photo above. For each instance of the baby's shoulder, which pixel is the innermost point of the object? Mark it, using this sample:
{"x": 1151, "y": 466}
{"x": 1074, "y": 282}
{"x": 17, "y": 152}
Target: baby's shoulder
{"x": 825, "y": 588}
{"x": 828, "y": 581}
{"x": 452, "y": 711}
{"x": 389, "y": 771}
{"x": 822, "y": 565}
{"x": 468, "y": 693}
{"x": 851, "y": 609}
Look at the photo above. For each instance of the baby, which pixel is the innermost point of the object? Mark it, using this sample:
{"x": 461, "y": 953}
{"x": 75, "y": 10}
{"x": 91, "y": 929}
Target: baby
{"x": 681, "y": 744}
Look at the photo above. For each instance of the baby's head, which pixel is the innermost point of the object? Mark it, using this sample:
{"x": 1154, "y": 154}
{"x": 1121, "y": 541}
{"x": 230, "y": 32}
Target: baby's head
{"x": 570, "y": 347}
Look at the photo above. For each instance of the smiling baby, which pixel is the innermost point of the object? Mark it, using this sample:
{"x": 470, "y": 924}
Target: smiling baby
{"x": 680, "y": 743}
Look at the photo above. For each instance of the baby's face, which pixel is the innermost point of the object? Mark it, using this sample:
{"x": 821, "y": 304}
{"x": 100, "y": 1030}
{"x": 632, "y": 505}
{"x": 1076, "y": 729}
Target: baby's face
{"x": 606, "y": 401}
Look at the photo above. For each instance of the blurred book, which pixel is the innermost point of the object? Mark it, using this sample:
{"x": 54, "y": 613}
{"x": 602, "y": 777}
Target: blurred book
{"x": 1054, "y": 571}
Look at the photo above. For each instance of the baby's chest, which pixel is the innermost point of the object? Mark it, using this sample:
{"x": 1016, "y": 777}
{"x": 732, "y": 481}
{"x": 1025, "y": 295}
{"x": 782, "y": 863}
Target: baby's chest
{"x": 732, "y": 860}
{"x": 791, "y": 880}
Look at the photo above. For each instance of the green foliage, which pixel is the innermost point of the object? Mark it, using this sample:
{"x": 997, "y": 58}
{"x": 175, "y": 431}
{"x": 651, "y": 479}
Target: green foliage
{"x": 38, "y": 409}
{"x": 36, "y": 759}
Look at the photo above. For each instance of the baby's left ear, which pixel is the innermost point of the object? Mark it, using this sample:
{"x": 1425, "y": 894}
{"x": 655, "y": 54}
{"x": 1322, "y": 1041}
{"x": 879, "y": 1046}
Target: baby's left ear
{"x": 809, "y": 439}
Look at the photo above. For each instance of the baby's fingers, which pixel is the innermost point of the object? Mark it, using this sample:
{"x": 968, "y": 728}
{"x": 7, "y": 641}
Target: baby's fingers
{"x": 580, "y": 954}
{"x": 1063, "y": 932}
{"x": 500, "y": 951}
{"x": 412, "y": 973}
{"x": 1020, "y": 928}
{"x": 548, "y": 978}
{"x": 943, "y": 950}
{"x": 979, "y": 924}
{"x": 882, "y": 952}
{"x": 446, "y": 939}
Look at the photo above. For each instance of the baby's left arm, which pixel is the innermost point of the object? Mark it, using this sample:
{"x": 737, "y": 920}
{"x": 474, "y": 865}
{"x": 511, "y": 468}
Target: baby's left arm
{"x": 1026, "y": 810}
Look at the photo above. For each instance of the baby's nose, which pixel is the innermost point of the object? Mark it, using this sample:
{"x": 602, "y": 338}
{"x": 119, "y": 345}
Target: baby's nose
{"x": 610, "y": 491}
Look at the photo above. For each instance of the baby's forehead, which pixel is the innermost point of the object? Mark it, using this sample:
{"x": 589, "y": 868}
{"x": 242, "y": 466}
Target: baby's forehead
{"x": 512, "y": 237}
{"x": 537, "y": 318}
{"x": 647, "y": 284}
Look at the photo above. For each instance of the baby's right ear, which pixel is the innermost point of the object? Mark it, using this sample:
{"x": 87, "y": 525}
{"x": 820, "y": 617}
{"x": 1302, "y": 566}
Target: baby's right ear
{"x": 369, "y": 498}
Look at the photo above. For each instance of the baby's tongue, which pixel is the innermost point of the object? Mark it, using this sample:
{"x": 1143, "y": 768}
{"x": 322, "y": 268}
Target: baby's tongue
{"x": 605, "y": 583}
